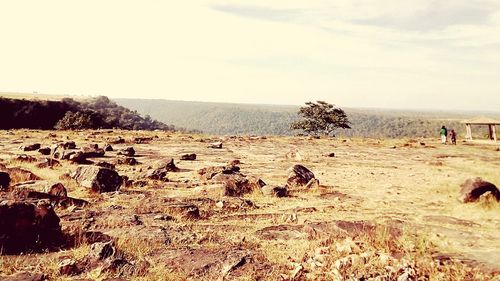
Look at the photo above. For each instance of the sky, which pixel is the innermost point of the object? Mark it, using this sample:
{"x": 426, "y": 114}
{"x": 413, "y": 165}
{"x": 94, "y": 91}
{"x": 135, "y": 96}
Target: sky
{"x": 417, "y": 54}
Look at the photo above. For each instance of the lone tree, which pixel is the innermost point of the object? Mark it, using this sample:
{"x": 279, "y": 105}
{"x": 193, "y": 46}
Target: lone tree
{"x": 320, "y": 118}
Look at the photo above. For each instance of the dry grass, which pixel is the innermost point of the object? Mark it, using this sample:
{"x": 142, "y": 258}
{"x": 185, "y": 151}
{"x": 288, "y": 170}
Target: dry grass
{"x": 366, "y": 180}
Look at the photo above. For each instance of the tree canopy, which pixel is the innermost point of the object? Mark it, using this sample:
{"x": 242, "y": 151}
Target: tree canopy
{"x": 321, "y": 118}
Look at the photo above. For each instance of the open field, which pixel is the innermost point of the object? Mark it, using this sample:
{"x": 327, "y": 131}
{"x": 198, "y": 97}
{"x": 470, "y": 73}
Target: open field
{"x": 384, "y": 209}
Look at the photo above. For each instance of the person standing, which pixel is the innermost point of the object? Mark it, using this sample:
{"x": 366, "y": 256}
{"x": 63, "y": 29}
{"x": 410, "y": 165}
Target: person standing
{"x": 444, "y": 134}
{"x": 453, "y": 137}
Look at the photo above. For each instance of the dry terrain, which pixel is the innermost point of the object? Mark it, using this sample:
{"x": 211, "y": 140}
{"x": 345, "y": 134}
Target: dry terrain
{"x": 383, "y": 210}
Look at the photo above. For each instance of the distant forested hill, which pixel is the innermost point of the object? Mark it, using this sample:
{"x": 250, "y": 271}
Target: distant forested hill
{"x": 224, "y": 119}
{"x": 67, "y": 113}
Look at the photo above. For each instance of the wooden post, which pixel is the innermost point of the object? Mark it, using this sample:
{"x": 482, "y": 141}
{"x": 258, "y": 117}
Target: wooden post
{"x": 490, "y": 132}
{"x": 469, "y": 132}
{"x": 494, "y": 132}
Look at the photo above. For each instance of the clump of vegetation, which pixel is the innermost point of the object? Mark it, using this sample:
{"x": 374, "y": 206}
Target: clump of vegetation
{"x": 321, "y": 118}
{"x": 383, "y": 256}
{"x": 80, "y": 120}
{"x": 69, "y": 114}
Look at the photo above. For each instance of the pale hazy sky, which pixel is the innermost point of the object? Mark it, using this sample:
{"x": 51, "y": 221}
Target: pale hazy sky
{"x": 355, "y": 53}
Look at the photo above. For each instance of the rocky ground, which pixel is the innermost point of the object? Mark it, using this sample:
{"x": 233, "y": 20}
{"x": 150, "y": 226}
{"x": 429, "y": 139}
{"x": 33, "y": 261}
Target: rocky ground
{"x": 120, "y": 205}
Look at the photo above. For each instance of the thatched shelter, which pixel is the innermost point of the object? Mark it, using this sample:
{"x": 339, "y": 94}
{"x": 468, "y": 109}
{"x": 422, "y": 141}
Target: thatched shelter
{"x": 485, "y": 121}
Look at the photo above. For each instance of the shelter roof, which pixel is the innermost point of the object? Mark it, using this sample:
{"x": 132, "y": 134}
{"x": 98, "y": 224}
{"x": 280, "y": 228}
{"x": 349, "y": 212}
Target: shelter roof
{"x": 482, "y": 121}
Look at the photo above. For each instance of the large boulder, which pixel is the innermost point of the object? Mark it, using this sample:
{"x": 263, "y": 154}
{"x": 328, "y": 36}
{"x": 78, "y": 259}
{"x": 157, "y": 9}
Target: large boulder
{"x": 98, "y": 179}
{"x": 4, "y": 180}
{"x": 299, "y": 176}
{"x": 472, "y": 189}
{"x": 27, "y": 227}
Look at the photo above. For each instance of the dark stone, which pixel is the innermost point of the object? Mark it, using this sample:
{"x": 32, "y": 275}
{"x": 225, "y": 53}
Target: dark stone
{"x": 26, "y": 158}
{"x": 161, "y": 170}
{"x": 45, "y": 150}
{"x": 299, "y": 176}
{"x": 31, "y": 147}
{"x": 27, "y": 227}
{"x": 129, "y": 151}
{"x": 68, "y": 145}
{"x": 276, "y": 191}
{"x": 105, "y": 164}
{"x": 108, "y": 147}
{"x": 188, "y": 157}
{"x": 4, "y": 180}
{"x": 58, "y": 190}
{"x": 99, "y": 179}
{"x": 129, "y": 161}
{"x": 67, "y": 155}
{"x": 472, "y": 189}
{"x": 92, "y": 151}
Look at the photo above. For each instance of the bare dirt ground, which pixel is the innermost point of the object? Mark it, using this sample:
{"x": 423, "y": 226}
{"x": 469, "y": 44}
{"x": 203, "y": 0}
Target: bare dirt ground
{"x": 391, "y": 203}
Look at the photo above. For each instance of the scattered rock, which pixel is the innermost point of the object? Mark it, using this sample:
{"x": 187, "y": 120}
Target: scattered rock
{"x": 129, "y": 151}
{"x": 128, "y": 161}
{"x": 25, "y": 158}
{"x": 31, "y": 147}
{"x": 108, "y": 147}
{"x": 92, "y": 151}
{"x": 188, "y": 157}
{"x": 161, "y": 170}
{"x": 27, "y": 195}
{"x": 27, "y": 227}
{"x": 45, "y": 150}
{"x": 58, "y": 190}
{"x": 105, "y": 164}
{"x": 332, "y": 154}
{"x": 4, "y": 181}
{"x": 68, "y": 145}
{"x": 215, "y": 145}
{"x": 47, "y": 163}
{"x": 209, "y": 172}
{"x": 99, "y": 179}
{"x": 234, "y": 162}
{"x": 472, "y": 189}
{"x": 276, "y": 191}
{"x": 77, "y": 157}
{"x": 299, "y": 176}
